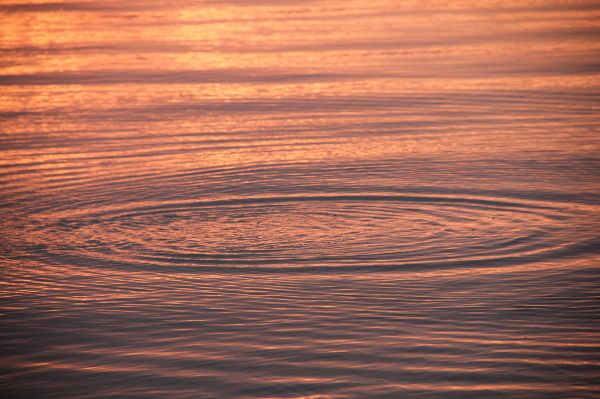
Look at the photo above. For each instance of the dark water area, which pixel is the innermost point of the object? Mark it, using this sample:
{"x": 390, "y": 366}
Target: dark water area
{"x": 300, "y": 199}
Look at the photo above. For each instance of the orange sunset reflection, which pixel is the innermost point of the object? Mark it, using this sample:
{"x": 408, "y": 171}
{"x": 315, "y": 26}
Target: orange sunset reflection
{"x": 299, "y": 199}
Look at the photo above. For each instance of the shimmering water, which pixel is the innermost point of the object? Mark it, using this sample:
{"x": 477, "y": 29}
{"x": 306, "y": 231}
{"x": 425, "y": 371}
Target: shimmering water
{"x": 300, "y": 199}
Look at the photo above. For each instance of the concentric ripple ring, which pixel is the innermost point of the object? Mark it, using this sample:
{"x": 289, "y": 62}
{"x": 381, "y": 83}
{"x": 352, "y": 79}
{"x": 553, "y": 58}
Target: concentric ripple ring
{"x": 345, "y": 231}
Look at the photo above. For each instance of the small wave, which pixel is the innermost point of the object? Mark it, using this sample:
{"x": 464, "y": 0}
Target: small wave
{"x": 316, "y": 233}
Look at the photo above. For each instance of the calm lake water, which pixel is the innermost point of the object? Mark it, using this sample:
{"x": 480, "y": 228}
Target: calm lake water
{"x": 300, "y": 199}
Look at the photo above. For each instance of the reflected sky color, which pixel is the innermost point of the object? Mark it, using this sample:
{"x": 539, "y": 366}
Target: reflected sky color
{"x": 299, "y": 199}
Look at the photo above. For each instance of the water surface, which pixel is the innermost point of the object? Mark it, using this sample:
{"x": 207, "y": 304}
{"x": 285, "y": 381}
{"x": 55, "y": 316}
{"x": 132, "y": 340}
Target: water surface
{"x": 300, "y": 199}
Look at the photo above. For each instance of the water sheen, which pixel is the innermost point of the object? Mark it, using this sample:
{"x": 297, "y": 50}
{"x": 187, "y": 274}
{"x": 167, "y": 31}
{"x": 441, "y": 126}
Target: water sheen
{"x": 300, "y": 199}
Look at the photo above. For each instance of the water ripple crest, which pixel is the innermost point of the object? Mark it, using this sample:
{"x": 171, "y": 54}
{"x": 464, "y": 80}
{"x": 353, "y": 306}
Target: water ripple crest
{"x": 316, "y": 233}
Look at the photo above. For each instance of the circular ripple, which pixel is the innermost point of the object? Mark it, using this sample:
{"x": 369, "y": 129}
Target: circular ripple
{"x": 319, "y": 232}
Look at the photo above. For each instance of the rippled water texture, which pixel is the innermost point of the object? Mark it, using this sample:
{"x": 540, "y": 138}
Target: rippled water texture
{"x": 300, "y": 199}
